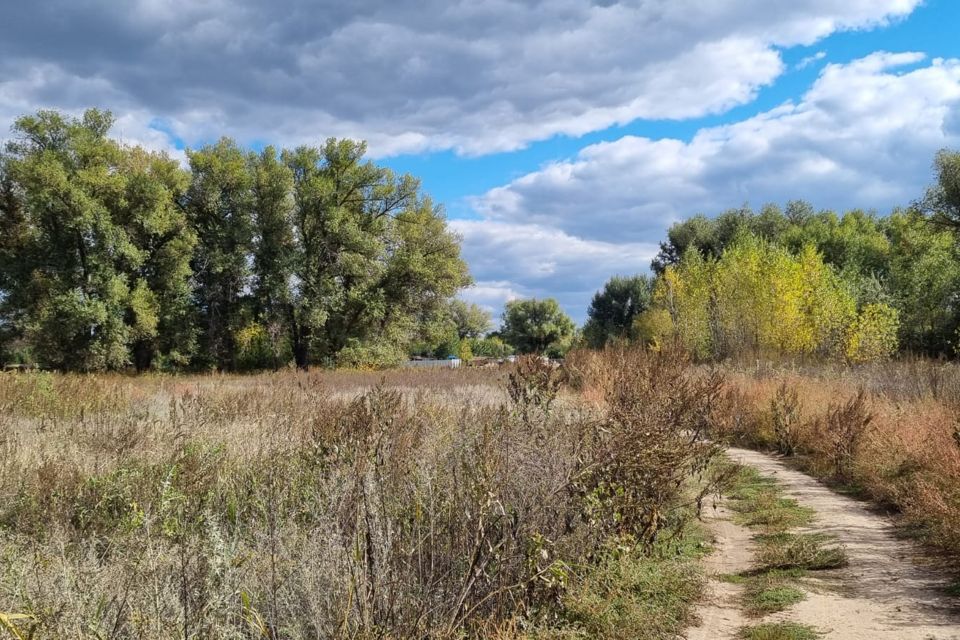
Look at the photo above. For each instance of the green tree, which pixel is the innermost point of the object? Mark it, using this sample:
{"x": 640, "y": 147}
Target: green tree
{"x": 94, "y": 249}
{"x": 534, "y": 326}
{"x": 373, "y": 257}
{"x": 490, "y": 347}
{"x": 274, "y": 257}
{"x": 613, "y": 310}
{"x": 471, "y": 320}
{"x": 942, "y": 200}
{"x": 219, "y": 204}
{"x": 160, "y": 300}
{"x": 924, "y": 281}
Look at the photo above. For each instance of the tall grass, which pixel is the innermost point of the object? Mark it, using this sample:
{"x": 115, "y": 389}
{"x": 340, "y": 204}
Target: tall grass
{"x": 888, "y": 431}
{"x": 408, "y": 504}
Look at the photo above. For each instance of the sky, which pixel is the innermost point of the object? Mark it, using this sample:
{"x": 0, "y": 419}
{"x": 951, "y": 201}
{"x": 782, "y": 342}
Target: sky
{"x": 563, "y": 137}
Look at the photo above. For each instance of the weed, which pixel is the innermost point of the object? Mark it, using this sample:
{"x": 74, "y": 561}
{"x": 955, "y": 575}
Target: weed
{"x": 770, "y": 592}
{"x": 845, "y": 427}
{"x": 785, "y": 412}
{"x": 758, "y": 502}
{"x": 778, "y": 631}
{"x": 350, "y": 504}
{"x": 798, "y": 551}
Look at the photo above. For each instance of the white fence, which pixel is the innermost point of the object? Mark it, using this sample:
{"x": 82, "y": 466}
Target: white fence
{"x": 448, "y": 364}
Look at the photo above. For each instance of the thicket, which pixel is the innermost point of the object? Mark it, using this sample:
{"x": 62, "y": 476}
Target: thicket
{"x": 758, "y": 298}
{"x": 794, "y": 281}
{"x": 112, "y": 256}
{"x": 305, "y": 505}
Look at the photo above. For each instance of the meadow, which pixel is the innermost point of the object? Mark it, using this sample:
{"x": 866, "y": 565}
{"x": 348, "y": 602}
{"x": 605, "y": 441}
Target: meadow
{"x": 520, "y": 502}
{"x": 345, "y": 504}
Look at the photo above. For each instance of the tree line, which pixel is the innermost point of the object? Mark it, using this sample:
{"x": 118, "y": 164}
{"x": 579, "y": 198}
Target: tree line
{"x": 855, "y": 286}
{"x": 113, "y": 256}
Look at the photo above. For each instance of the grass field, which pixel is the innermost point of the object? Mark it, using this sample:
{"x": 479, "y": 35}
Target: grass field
{"x": 528, "y": 502}
{"x": 398, "y": 504}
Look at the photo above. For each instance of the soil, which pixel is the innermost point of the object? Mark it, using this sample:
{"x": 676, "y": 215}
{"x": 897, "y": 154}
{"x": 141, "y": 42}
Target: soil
{"x": 890, "y": 590}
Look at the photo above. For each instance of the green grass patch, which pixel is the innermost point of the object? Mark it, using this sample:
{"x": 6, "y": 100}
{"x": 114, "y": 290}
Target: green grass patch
{"x": 778, "y": 631}
{"x": 807, "y": 551}
{"x": 770, "y": 592}
{"x": 629, "y": 594}
{"x": 758, "y": 502}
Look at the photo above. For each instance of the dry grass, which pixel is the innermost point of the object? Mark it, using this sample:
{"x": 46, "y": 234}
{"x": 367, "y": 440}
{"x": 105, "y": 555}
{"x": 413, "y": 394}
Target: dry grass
{"x": 888, "y": 431}
{"x": 392, "y": 505}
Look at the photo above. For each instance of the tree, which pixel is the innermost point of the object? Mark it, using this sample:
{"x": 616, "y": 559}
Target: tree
{"x": 613, "y": 310}
{"x": 111, "y": 255}
{"x": 274, "y": 258}
{"x": 760, "y": 298}
{"x": 490, "y": 347}
{"x": 160, "y": 314}
{"x": 373, "y": 256}
{"x": 94, "y": 250}
{"x": 471, "y": 320}
{"x": 219, "y": 205}
{"x": 533, "y": 326}
{"x": 924, "y": 281}
{"x": 942, "y": 200}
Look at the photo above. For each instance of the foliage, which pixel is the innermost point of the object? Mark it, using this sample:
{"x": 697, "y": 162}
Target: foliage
{"x": 490, "y": 347}
{"x": 471, "y": 320}
{"x": 112, "y": 256}
{"x": 873, "y": 335}
{"x": 759, "y": 298}
{"x": 93, "y": 250}
{"x": 613, "y": 310}
{"x": 343, "y": 504}
{"x": 534, "y": 326}
{"x": 906, "y": 260}
{"x": 373, "y": 254}
{"x": 942, "y": 199}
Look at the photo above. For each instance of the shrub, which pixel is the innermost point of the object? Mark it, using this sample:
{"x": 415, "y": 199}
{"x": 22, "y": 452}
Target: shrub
{"x": 785, "y": 414}
{"x": 844, "y": 427}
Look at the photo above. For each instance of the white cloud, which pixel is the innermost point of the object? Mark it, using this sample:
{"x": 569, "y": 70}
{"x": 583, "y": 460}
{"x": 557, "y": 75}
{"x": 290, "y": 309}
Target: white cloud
{"x": 863, "y": 136}
{"x": 526, "y": 260}
{"x": 481, "y": 76}
{"x": 810, "y": 60}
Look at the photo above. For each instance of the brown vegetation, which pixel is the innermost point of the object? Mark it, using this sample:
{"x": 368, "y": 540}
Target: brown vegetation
{"x": 308, "y": 505}
{"x": 888, "y": 431}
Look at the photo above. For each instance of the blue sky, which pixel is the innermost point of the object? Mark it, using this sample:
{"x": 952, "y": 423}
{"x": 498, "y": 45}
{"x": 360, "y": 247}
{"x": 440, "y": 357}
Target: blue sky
{"x": 562, "y": 136}
{"x": 932, "y": 29}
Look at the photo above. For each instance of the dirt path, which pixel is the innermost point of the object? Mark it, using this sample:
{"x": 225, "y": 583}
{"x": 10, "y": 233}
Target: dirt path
{"x": 887, "y": 592}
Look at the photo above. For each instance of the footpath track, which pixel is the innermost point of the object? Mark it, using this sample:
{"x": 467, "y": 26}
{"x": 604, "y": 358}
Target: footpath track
{"x": 890, "y": 589}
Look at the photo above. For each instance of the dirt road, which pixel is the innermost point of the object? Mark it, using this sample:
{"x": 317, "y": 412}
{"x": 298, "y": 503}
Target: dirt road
{"x": 889, "y": 591}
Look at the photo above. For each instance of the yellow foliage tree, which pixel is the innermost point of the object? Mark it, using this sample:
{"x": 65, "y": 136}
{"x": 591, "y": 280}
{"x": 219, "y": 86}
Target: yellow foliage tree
{"x": 758, "y": 298}
{"x": 873, "y": 336}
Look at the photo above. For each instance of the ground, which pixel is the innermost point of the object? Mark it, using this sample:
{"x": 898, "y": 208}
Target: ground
{"x": 890, "y": 588}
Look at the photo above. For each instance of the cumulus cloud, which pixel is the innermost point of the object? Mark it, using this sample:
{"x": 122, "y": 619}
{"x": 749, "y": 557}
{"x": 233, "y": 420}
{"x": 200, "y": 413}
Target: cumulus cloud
{"x": 525, "y": 260}
{"x": 479, "y": 76}
{"x": 863, "y": 136}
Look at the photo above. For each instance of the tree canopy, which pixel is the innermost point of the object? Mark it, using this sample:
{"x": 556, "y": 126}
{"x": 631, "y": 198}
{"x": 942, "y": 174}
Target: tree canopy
{"x": 112, "y": 256}
{"x": 537, "y": 326}
{"x": 613, "y": 310}
{"x": 905, "y": 263}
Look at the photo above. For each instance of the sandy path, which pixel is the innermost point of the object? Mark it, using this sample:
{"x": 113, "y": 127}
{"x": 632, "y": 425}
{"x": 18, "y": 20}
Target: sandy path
{"x": 887, "y": 592}
{"x": 720, "y": 614}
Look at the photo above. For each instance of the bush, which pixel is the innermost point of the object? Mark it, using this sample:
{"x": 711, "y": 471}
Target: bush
{"x": 785, "y": 413}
